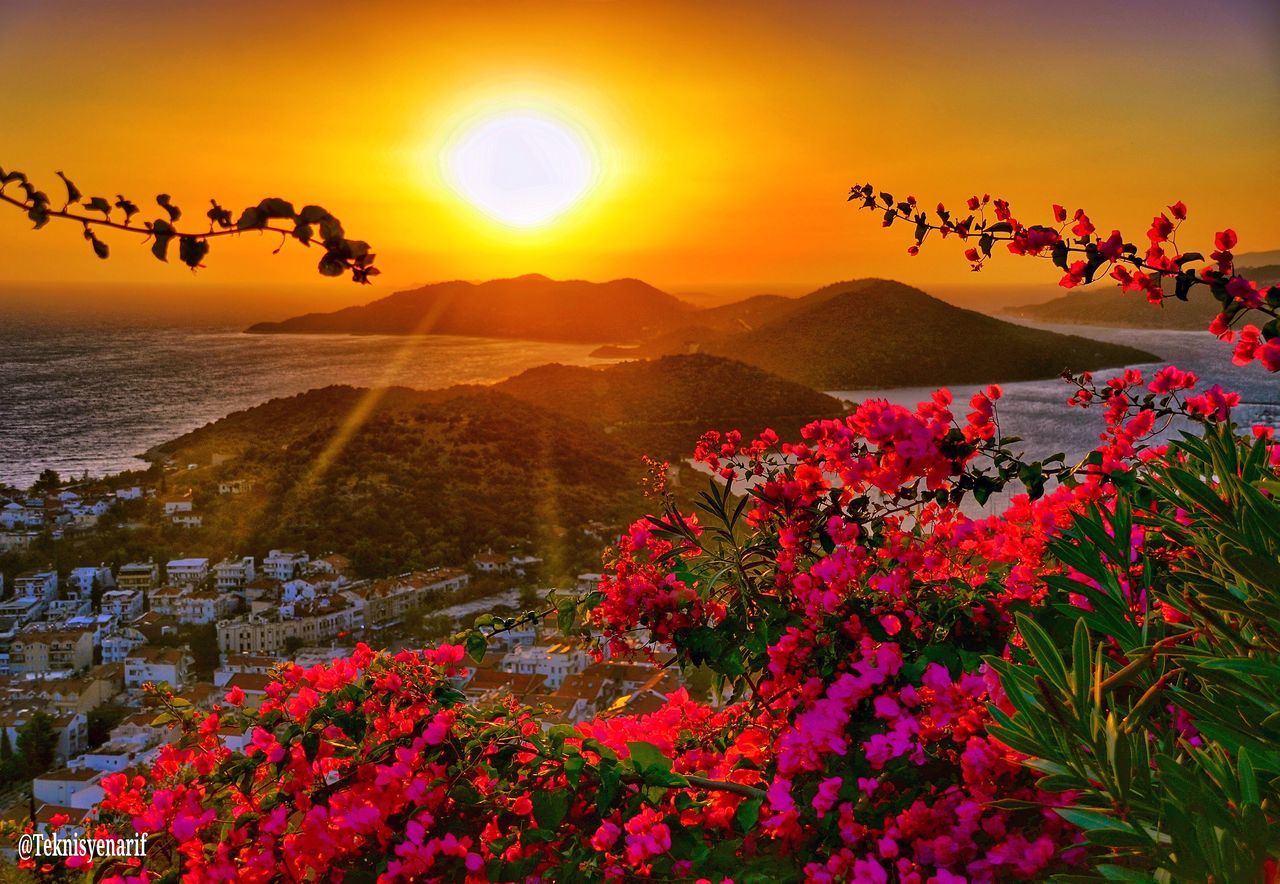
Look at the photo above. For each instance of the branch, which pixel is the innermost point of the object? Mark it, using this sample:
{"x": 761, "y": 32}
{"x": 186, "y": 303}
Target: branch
{"x": 1134, "y": 271}
{"x": 341, "y": 255}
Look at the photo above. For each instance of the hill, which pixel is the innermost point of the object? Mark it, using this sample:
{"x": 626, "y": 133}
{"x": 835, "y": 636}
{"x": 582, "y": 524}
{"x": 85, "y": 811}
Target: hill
{"x": 1112, "y": 307}
{"x": 879, "y": 333}
{"x": 661, "y": 407}
{"x": 424, "y": 478}
{"x": 431, "y": 477}
{"x": 531, "y": 307}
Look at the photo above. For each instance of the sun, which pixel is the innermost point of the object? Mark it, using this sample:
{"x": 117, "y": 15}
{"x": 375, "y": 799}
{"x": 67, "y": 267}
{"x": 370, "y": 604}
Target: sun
{"x": 523, "y": 169}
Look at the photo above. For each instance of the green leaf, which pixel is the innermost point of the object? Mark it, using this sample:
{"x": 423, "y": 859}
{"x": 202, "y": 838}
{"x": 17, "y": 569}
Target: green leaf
{"x": 1090, "y": 820}
{"x": 124, "y": 205}
{"x": 550, "y": 808}
{"x": 312, "y": 215}
{"x": 1042, "y": 649}
{"x": 748, "y": 814}
{"x": 218, "y": 215}
{"x": 251, "y": 219}
{"x": 476, "y": 645}
{"x": 332, "y": 265}
{"x": 646, "y": 756}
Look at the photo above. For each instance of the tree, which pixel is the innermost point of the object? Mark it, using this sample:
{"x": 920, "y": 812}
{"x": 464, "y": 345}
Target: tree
{"x": 47, "y": 481}
{"x": 10, "y": 764}
{"x": 37, "y": 744}
{"x": 103, "y": 719}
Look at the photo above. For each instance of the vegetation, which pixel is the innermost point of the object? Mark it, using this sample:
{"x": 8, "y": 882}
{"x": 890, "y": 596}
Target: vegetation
{"x": 37, "y": 745}
{"x": 866, "y": 632}
{"x": 660, "y": 408}
{"x": 428, "y": 476}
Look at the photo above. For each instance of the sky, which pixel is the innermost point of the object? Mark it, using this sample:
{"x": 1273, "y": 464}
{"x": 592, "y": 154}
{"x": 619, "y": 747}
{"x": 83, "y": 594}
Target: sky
{"x": 722, "y": 136}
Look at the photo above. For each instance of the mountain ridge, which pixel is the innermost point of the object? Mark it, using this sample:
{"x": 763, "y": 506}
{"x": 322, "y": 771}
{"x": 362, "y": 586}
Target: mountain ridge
{"x": 530, "y": 307}
{"x": 881, "y": 333}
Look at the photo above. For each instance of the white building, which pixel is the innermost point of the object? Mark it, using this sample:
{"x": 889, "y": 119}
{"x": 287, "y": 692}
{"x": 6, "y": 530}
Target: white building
{"x": 306, "y": 623}
{"x": 234, "y": 664}
{"x": 133, "y": 492}
{"x": 69, "y": 788}
{"x": 153, "y": 664}
{"x": 284, "y": 564}
{"x": 166, "y": 600}
{"x": 138, "y": 575}
{"x": 40, "y": 585}
{"x": 83, "y": 580}
{"x": 204, "y": 607}
{"x": 123, "y": 604}
{"x": 14, "y": 515}
{"x": 233, "y": 573}
{"x": 17, "y": 612}
{"x": 234, "y": 486}
{"x": 554, "y": 662}
{"x": 173, "y": 505}
{"x": 187, "y": 572}
{"x": 187, "y": 519}
{"x": 117, "y": 646}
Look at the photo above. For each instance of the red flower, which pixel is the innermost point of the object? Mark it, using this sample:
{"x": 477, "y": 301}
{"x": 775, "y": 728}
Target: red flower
{"x": 1083, "y": 226}
{"x": 1161, "y": 227}
{"x": 1225, "y": 240}
{"x": 1179, "y": 210}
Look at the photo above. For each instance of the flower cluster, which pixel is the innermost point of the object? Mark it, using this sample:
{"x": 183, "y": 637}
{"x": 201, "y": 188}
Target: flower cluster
{"x": 851, "y": 610}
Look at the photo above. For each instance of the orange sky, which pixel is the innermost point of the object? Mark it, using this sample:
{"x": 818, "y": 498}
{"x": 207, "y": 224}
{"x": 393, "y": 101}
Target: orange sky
{"x": 727, "y": 132}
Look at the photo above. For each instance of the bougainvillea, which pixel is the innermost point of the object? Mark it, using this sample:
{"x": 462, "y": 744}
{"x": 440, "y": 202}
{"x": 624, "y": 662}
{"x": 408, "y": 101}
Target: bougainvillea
{"x": 1084, "y": 254}
{"x": 861, "y": 627}
{"x": 892, "y": 694}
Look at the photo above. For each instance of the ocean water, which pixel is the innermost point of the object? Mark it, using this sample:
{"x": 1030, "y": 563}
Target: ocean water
{"x": 1037, "y": 410}
{"x": 90, "y": 396}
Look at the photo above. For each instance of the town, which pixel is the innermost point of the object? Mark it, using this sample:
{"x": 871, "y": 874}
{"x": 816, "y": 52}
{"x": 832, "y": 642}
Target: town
{"x": 80, "y": 647}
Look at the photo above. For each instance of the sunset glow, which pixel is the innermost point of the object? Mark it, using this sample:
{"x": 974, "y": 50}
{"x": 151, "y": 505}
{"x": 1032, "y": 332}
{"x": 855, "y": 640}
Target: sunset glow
{"x": 719, "y": 139}
{"x": 523, "y": 170}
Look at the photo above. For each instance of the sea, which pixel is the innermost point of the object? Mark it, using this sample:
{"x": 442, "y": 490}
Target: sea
{"x": 91, "y": 396}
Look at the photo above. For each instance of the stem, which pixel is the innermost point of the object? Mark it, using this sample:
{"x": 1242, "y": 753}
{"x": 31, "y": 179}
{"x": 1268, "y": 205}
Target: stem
{"x": 146, "y": 231}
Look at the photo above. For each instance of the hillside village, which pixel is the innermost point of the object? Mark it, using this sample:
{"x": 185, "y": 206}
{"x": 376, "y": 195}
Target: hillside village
{"x": 79, "y": 646}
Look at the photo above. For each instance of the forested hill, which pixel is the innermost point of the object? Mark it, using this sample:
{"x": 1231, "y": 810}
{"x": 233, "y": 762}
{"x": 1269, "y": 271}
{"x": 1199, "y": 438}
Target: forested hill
{"x": 662, "y": 406}
{"x": 431, "y": 477}
{"x": 881, "y": 333}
